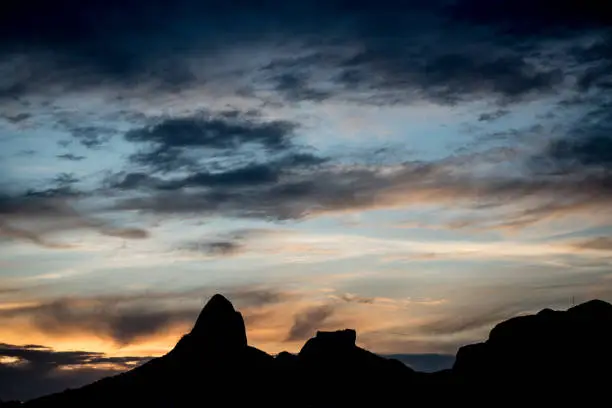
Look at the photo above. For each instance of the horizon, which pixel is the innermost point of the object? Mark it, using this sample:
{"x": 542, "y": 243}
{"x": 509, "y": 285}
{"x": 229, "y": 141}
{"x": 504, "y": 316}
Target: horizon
{"x": 30, "y": 361}
{"x": 418, "y": 172}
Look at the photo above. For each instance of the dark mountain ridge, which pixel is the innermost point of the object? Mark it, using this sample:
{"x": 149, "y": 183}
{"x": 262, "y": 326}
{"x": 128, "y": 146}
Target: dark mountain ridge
{"x": 549, "y": 357}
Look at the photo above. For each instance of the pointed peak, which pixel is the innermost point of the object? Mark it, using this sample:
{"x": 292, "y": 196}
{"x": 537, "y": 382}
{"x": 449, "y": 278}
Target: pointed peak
{"x": 219, "y": 325}
{"x": 219, "y": 303}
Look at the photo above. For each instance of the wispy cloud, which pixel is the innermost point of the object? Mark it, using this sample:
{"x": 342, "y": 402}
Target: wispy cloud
{"x": 595, "y": 244}
{"x": 307, "y": 321}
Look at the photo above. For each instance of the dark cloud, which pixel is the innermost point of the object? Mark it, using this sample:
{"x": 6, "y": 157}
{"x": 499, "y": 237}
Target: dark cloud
{"x": 492, "y": 116}
{"x": 38, "y": 370}
{"x": 583, "y": 153}
{"x": 251, "y": 175}
{"x": 60, "y": 187}
{"x": 248, "y": 176}
{"x": 232, "y": 243}
{"x": 294, "y": 87}
{"x": 295, "y": 196}
{"x": 216, "y": 248}
{"x": 308, "y": 321}
{"x": 65, "y": 179}
{"x": 332, "y": 188}
{"x": 446, "y": 78}
{"x": 597, "y": 244}
{"x": 221, "y": 132}
{"x": 230, "y": 163}
{"x": 170, "y": 144}
{"x": 92, "y": 137}
{"x": 598, "y": 61}
{"x": 131, "y": 181}
{"x": 137, "y": 48}
{"x": 16, "y": 212}
{"x": 102, "y": 317}
{"x": 36, "y": 216}
{"x": 372, "y": 51}
{"x": 587, "y": 147}
{"x": 44, "y": 356}
{"x": 126, "y": 319}
{"x": 10, "y": 232}
{"x": 588, "y": 151}
{"x": 127, "y": 233}
{"x": 70, "y": 157}
{"x": 17, "y": 118}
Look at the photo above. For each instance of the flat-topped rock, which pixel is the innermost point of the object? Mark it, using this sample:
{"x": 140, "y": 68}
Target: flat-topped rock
{"x": 346, "y": 337}
{"x": 326, "y": 342}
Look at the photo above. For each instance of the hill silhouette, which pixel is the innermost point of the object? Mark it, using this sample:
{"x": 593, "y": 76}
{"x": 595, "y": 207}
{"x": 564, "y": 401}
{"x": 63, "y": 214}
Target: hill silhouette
{"x": 549, "y": 357}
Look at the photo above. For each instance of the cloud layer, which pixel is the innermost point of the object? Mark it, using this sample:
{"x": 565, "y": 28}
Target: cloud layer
{"x": 30, "y": 371}
{"x": 415, "y": 170}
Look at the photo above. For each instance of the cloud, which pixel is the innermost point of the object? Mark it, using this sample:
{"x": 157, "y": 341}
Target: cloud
{"x": 223, "y": 132}
{"x": 307, "y": 321}
{"x": 294, "y": 87}
{"x": 70, "y": 157}
{"x": 175, "y": 143}
{"x": 17, "y": 118}
{"x": 492, "y": 116}
{"x": 30, "y": 371}
{"x": 130, "y": 318}
{"x": 13, "y": 233}
{"x": 331, "y": 188}
{"x": 16, "y": 209}
{"x": 41, "y": 355}
{"x": 101, "y": 317}
{"x": 92, "y": 137}
{"x": 596, "y": 244}
{"x": 587, "y": 148}
{"x": 247, "y": 176}
{"x": 216, "y": 248}
{"x": 571, "y": 175}
{"x": 126, "y": 233}
{"x": 447, "y": 78}
{"x": 466, "y": 322}
{"x": 335, "y": 51}
{"x": 37, "y": 216}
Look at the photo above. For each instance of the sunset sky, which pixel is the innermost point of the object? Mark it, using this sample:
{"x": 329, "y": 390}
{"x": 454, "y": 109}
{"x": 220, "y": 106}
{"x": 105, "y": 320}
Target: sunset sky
{"x": 418, "y": 172}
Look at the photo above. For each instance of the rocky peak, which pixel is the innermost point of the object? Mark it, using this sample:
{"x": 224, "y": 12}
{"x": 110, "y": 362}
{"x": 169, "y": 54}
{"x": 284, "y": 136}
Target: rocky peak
{"x": 219, "y": 326}
{"x": 330, "y": 342}
{"x": 536, "y": 344}
{"x": 339, "y": 338}
{"x": 593, "y": 308}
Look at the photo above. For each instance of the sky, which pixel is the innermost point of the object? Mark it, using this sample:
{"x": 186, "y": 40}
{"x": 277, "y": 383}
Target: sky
{"x": 418, "y": 171}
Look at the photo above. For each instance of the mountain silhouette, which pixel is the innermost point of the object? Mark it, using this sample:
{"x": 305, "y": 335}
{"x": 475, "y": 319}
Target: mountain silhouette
{"x": 549, "y": 357}
{"x": 553, "y": 356}
{"x": 212, "y": 364}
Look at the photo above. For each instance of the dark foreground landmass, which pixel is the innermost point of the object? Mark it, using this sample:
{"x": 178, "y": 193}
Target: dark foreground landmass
{"x": 553, "y": 357}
